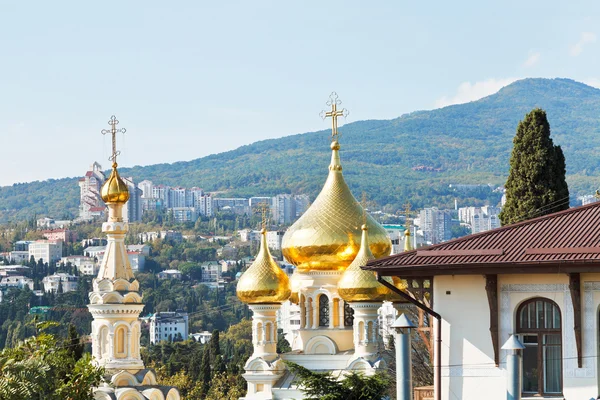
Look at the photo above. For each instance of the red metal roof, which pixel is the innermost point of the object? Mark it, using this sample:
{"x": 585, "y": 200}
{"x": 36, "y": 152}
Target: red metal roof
{"x": 568, "y": 239}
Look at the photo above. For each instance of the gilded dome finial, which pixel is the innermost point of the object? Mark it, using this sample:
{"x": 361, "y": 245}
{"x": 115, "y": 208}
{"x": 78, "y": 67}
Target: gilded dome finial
{"x": 114, "y": 189}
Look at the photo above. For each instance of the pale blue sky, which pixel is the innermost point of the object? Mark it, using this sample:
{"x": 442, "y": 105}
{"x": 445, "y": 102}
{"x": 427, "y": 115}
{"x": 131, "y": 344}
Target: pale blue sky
{"x": 191, "y": 78}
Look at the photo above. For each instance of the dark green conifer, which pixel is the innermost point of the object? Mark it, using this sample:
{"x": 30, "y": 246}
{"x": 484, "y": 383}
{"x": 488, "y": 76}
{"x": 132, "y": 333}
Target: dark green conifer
{"x": 536, "y": 182}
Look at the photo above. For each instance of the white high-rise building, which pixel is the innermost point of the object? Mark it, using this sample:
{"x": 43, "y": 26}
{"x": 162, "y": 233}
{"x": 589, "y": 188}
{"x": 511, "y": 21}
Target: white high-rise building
{"x": 169, "y": 326}
{"x": 146, "y": 188}
{"x": 90, "y": 203}
{"x": 132, "y": 211}
{"x": 48, "y": 250}
{"x": 284, "y": 209}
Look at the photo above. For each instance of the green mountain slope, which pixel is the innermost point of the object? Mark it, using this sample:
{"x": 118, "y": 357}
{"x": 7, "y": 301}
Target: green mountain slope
{"x": 468, "y": 143}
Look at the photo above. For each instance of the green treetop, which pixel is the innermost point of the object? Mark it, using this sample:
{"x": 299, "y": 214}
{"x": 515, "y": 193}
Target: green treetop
{"x": 536, "y": 182}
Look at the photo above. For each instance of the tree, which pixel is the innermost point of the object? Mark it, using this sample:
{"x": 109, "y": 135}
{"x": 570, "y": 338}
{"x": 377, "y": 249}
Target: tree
{"x": 41, "y": 368}
{"x": 355, "y": 385}
{"x": 74, "y": 343}
{"x": 536, "y": 182}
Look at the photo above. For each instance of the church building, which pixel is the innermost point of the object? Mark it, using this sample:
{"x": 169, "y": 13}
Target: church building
{"x": 338, "y": 300}
{"x": 539, "y": 280}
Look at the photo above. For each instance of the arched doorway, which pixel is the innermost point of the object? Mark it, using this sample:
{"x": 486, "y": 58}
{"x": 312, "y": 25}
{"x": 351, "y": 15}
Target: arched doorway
{"x": 539, "y": 325}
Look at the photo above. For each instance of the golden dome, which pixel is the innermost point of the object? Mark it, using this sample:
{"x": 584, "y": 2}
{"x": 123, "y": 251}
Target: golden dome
{"x": 114, "y": 189}
{"x": 356, "y": 284}
{"x": 407, "y": 240}
{"x": 264, "y": 282}
{"x": 327, "y": 236}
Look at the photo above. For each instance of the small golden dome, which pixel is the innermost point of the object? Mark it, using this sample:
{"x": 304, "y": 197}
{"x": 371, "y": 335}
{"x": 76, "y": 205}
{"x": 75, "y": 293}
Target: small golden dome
{"x": 356, "y": 284}
{"x": 264, "y": 282}
{"x": 327, "y": 236}
{"x": 114, "y": 189}
{"x": 407, "y": 240}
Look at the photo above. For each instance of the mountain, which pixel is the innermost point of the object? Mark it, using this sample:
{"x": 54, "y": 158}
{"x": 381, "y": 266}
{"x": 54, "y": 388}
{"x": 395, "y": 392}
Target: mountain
{"x": 414, "y": 157}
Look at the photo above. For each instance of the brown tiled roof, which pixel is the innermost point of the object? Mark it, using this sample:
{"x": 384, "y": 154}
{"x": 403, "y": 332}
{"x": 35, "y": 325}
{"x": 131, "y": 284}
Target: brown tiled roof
{"x": 566, "y": 241}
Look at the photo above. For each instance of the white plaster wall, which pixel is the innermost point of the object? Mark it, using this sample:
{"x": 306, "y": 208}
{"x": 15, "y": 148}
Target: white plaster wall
{"x": 468, "y": 370}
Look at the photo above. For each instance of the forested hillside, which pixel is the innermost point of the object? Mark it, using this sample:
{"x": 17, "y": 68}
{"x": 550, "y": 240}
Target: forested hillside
{"x": 414, "y": 157}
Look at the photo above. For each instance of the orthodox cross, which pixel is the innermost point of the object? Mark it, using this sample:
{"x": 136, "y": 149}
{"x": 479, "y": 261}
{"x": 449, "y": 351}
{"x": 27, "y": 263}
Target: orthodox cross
{"x": 264, "y": 211}
{"x": 113, "y": 122}
{"x": 333, "y": 102}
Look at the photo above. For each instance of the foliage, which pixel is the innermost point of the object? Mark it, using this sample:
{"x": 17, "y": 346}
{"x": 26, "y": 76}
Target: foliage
{"x": 42, "y": 367}
{"x": 536, "y": 183}
{"x": 469, "y": 143}
{"x": 354, "y": 385}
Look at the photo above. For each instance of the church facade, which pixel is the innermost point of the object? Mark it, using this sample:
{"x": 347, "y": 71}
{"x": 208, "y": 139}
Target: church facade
{"x": 538, "y": 280}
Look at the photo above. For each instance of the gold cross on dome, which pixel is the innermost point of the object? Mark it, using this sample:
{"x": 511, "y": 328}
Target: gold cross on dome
{"x": 407, "y": 213}
{"x": 113, "y": 122}
{"x": 333, "y": 102}
{"x": 264, "y": 211}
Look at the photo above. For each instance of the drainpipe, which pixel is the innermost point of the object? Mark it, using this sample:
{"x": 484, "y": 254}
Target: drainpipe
{"x": 437, "y": 351}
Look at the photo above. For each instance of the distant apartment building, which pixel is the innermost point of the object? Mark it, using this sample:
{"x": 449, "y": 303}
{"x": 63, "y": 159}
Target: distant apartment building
{"x": 150, "y": 236}
{"x": 184, "y": 214}
{"x": 274, "y": 239}
{"x": 16, "y": 281}
{"x": 90, "y": 201}
{"x": 65, "y": 235}
{"x": 185, "y": 204}
{"x": 170, "y": 326}
{"x": 480, "y": 219}
{"x": 211, "y": 272}
{"x": 132, "y": 211}
{"x": 435, "y": 224}
{"x": 302, "y": 204}
{"x": 283, "y": 209}
{"x": 53, "y": 282}
{"x": 146, "y": 187}
{"x": 51, "y": 223}
{"x": 235, "y": 205}
{"x": 249, "y": 235}
{"x": 135, "y": 253}
{"x": 47, "y": 250}
{"x": 85, "y": 265}
{"x": 170, "y": 274}
{"x": 257, "y": 201}
{"x": 14, "y": 270}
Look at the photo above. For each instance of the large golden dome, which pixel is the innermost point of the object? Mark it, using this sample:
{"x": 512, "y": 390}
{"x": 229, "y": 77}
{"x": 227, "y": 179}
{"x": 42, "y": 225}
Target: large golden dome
{"x": 114, "y": 189}
{"x": 327, "y": 236}
{"x": 264, "y": 282}
{"x": 356, "y": 284}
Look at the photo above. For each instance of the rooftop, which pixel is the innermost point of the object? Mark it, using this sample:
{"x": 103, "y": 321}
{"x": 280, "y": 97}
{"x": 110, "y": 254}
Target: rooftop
{"x": 566, "y": 241}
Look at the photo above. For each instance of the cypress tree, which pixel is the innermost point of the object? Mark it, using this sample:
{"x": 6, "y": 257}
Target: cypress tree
{"x": 536, "y": 182}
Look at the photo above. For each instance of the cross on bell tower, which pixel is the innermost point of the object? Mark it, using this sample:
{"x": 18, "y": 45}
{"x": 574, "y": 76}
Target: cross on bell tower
{"x": 113, "y": 122}
{"x": 333, "y": 102}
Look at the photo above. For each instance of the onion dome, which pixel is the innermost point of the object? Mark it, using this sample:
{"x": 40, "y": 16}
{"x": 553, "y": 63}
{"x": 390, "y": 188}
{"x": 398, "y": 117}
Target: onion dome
{"x": 264, "y": 282}
{"x": 327, "y": 236}
{"x": 356, "y": 284}
{"x": 295, "y": 287}
{"x": 407, "y": 240}
{"x": 114, "y": 189}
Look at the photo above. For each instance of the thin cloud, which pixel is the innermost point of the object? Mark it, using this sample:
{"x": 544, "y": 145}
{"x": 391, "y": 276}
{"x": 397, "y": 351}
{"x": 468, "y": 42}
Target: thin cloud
{"x": 533, "y": 59}
{"x": 468, "y": 91}
{"x": 585, "y": 39}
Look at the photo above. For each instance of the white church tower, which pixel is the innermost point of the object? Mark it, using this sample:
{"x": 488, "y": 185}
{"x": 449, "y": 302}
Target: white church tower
{"x": 115, "y": 305}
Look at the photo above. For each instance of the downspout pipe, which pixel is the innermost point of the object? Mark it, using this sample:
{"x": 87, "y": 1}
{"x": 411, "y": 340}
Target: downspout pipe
{"x": 438, "y": 334}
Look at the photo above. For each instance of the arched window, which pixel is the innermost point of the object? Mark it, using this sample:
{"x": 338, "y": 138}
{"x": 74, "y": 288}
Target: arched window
{"x": 323, "y": 310}
{"x": 539, "y": 324}
{"x": 348, "y": 315}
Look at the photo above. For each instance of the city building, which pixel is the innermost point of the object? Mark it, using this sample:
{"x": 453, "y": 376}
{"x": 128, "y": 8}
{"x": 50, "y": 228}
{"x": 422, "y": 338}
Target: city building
{"x": 170, "y": 274}
{"x": 249, "y": 235}
{"x": 47, "y": 250}
{"x": 235, "y": 205}
{"x": 170, "y": 326}
{"x": 16, "y": 281}
{"x": 90, "y": 202}
{"x": 85, "y": 265}
{"x": 202, "y": 337}
{"x": 274, "y": 239}
{"x": 63, "y": 234}
{"x": 435, "y": 224}
{"x": 14, "y": 270}
{"x": 53, "y": 282}
{"x": 132, "y": 212}
{"x": 480, "y": 219}
{"x": 283, "y": 209}
{"x": 211, "y": 272}
{"x": 136, "y": 254}
{"x": 184, "y": 214}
